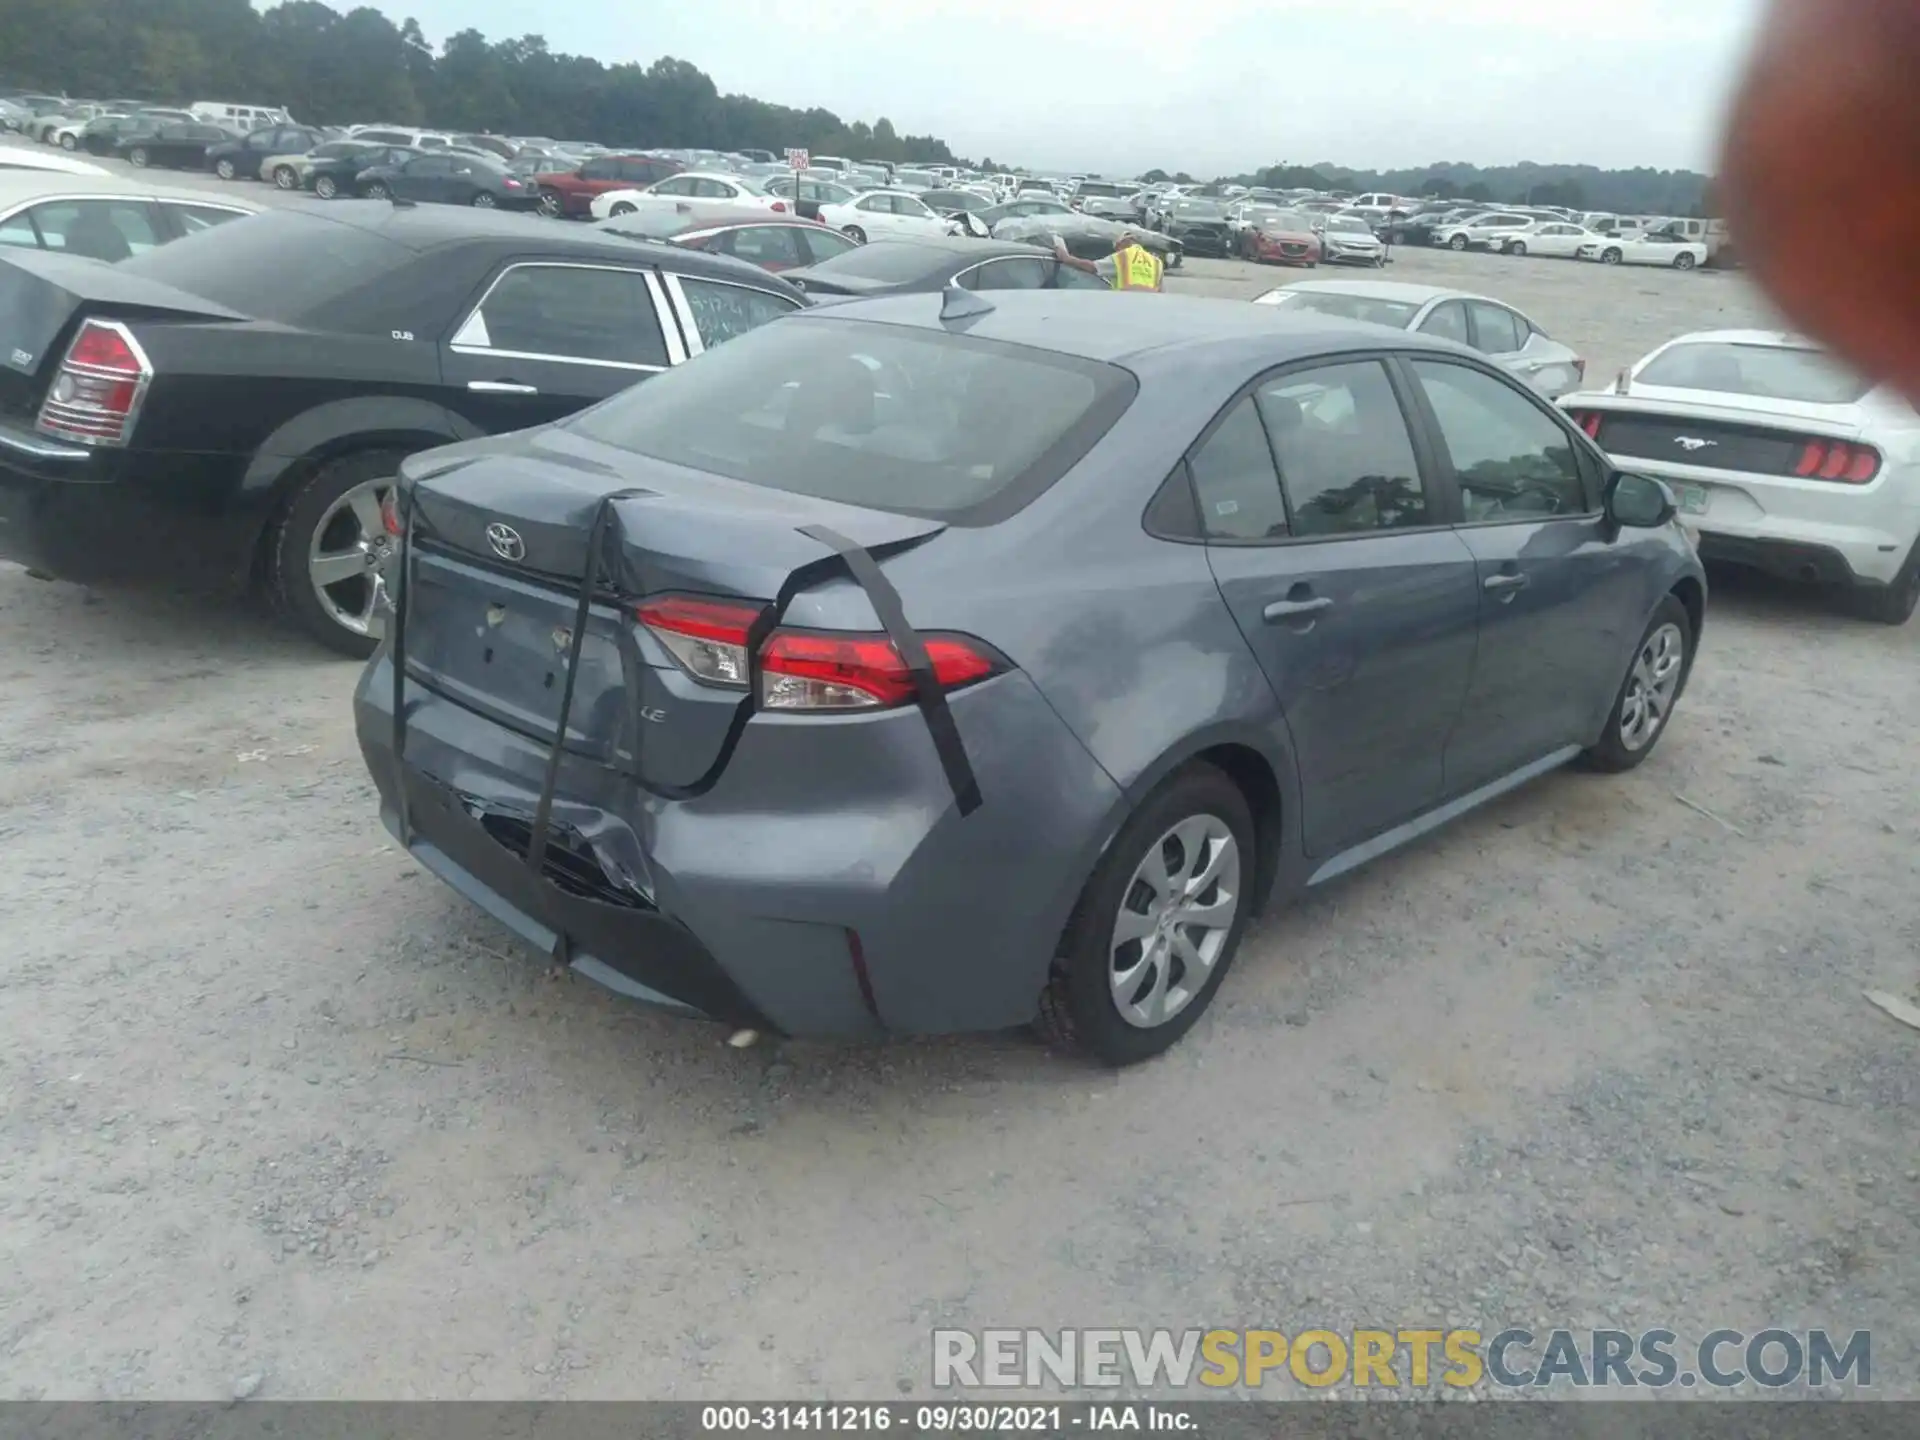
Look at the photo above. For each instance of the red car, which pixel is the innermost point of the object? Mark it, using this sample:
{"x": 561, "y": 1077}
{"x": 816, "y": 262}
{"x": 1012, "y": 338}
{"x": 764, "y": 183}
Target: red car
{"x": 1285, "y": 239}
{"x": 570, "y": 192}
{"x": 773, "y": 245}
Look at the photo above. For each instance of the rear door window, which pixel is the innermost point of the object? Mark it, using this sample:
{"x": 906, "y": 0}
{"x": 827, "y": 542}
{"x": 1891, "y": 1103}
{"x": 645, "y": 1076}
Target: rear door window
{"x": 1346, "y": 461}
{"x": 722, "y": 310}
{"x": 765, "y": 245}
{"x": 595, "y": 314}
{"x": 1448, "y": 321}
{"x": 1496, "y": 329}
{"x": 191, "y": 219}
{"x": 109, "y": 230}
{"x": 1015, "y": 273}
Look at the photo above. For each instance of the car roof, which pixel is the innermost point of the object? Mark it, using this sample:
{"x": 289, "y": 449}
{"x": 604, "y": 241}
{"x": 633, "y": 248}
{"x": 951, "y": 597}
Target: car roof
{"x": 1096, "y": 325}
{"x": 424, "y": 228}
{"x": 1387, "y": 290}
{"x": 25, "y": 186}
{"x": 1774, "y": 339}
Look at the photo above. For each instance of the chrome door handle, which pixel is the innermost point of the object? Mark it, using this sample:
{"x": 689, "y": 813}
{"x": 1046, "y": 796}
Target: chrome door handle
{"x": 1504, "y": 582}
{"x": 502, "y": 387}
{"x": 1293, "y": 609}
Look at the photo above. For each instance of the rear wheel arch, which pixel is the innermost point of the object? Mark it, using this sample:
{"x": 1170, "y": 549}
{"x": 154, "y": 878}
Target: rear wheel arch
{"x": 329, "y": 432}
{"x": 1692, "y": 595}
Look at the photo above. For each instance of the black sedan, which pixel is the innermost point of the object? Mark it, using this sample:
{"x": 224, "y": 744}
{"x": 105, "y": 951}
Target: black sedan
{"x": 102, "y": 135}
{"x": 1088, "y": 236}
{"x": 231, "y": 408}
{"x": 1200, "y": 225}
{"x": 241, "y": 159}
{"x": 178, "y": 144}
{"x": 441, "y": 179}
{"x": 332, "y": 169}
{"x": 883, "y": 267}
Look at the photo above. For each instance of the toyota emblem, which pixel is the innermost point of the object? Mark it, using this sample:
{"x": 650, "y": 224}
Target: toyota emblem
{"x": 506, "y": 542}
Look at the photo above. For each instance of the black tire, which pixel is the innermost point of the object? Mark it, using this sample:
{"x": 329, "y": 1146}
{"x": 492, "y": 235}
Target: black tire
{"x": 224, "y": 168}
{"x": 284, "y": 558}
{"x": 138, "y": 157}
{"x": 377, "y": 190}
{"x": 623, "y": 208}
{"x": 1077, "y": 1009}
{"x": 326, "y": 187}
{"x": 1457, "y": 243}
{"x": 1892, "y": 603}
{"x": 1612, "y": 255}
{"x": 855, "y": 234}
{"x": 1611, "y": 754}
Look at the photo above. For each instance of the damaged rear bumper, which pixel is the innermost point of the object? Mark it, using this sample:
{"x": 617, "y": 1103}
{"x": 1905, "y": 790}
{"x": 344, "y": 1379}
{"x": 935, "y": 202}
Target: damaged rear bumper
{"x": 765, "y": 902}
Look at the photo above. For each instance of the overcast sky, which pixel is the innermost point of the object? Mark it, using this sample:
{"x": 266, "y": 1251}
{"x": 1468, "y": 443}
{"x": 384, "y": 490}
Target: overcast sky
{"x": 1208, "y": 86}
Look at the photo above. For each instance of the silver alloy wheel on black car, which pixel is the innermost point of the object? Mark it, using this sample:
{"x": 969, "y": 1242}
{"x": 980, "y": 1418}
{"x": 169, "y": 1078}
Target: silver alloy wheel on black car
{"x": 137, "y": 157}
{"x": 1652, "y": 684}
{"x": 345, "y": 552}
{"x": 326, "y": 187}
{"x": 224, "y": 169}
{"x": 1174, "y": 920}
{"x": 482, "y": 200}
{"x": 378, "y": 191}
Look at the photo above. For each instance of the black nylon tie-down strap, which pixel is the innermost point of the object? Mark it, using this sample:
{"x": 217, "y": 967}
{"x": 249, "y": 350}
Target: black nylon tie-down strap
{"x": 927, "y": 692}
{"x": 846, "y": 554}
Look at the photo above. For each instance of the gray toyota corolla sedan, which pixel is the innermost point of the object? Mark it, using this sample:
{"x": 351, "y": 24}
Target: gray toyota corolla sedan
{"x": 938, "y": 663}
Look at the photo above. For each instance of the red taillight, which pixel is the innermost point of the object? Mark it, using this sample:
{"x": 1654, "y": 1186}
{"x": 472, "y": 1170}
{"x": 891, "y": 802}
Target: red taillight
{"x": 802, "y": 669}
{"x": 812, "y": 671}
{"x": 1837, "y": 460}
{"x": 781, "y": 206}
{"x": 98, "y": 388}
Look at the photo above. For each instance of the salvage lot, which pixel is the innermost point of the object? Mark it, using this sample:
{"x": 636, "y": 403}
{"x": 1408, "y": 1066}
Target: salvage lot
{"x": 282, "y": 1107}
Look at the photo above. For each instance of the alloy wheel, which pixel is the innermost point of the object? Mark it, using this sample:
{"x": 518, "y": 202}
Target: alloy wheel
{"x": 1175, "y": 917}
{"x": 137, "y": 157}
{"x": 378, "y": 191}
{"x": 345, "y": 554}
{"x": 1683, "y": 261}
{"x": 1611, "y": 257}
{"x": 1651, "y": 685}
{"x": 326, "y": 187}
{"x": 284, "y": 178}
{"x": 224, "y": 169}
{"x": 482, "y": 200}
{"x": 67, "y": 142}
{"x": 549, "y": 204}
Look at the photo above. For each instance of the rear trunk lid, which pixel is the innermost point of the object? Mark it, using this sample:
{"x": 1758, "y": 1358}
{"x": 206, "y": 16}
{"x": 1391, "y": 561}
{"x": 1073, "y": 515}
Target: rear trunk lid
{"x": 499, "y": 532}
{"x": 44, "y": 296}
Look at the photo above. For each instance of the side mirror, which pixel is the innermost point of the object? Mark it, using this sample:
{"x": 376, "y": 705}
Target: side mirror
{"x": 1639, "y": 502}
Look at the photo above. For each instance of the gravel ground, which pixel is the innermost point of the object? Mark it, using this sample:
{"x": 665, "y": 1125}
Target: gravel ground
{"x": 284, "y": 1117}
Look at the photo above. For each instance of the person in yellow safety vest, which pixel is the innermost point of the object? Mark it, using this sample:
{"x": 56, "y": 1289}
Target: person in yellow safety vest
{"x": 1131, "y": 266}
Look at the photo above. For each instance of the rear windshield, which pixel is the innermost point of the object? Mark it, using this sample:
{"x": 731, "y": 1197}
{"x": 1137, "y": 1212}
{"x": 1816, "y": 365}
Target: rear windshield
{"x": 247, "y": 265}
{"x": 1397, "y": 313}
{"x": 1770, "y": 372}
{"x": 913, "y": 421}
{"x": 890, "y": 261}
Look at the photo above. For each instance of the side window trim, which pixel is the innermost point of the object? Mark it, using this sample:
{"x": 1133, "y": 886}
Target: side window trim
{"x": 463, "y": 340}
{"x": 1592, "y": 481}
{"x": 1435, "y": 480}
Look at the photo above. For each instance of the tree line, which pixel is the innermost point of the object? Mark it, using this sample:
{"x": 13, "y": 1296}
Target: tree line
{"x": 326, "y": 67}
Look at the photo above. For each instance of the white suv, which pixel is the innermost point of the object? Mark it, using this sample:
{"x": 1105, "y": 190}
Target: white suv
{"x": 1489, "y": 230}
